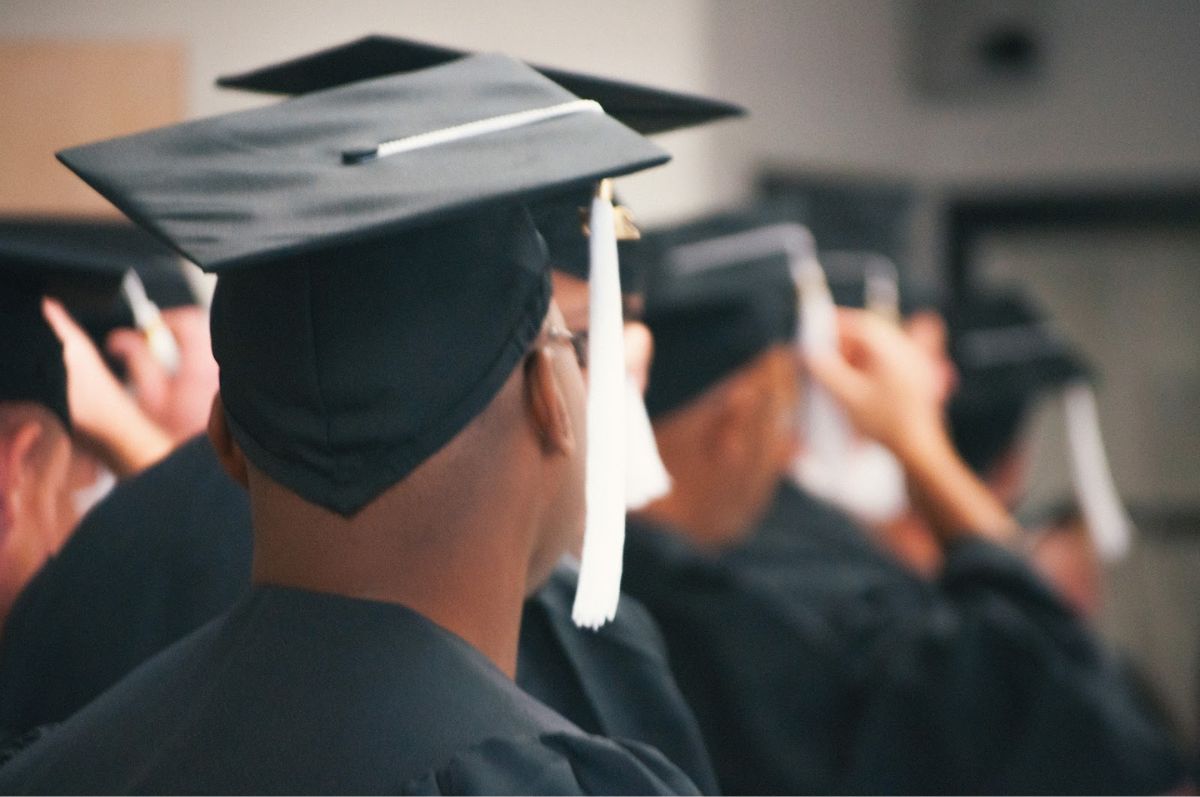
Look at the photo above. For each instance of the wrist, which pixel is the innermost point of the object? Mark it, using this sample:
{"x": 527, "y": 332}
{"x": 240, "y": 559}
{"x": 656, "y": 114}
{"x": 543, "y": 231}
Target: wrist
{"x": 129, "y": 441}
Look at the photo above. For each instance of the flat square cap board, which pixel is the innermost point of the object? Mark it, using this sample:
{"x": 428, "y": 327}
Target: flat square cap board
{"x": 262, "y": 185}
{"x": 645, "y": 109}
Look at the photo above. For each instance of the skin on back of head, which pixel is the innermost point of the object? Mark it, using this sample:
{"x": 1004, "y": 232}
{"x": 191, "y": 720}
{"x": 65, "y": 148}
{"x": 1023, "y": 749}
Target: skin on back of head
{"x": 726, "y": 450}
{"x": 465, "y": 536}
{"x": 37, "y": 514}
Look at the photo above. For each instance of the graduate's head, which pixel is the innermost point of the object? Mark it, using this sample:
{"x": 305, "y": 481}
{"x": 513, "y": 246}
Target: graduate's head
{"x": 722, "y": 397}
{"x": 383, "y": 292}
{"x": 558, "y": 215}
{"x": 1009, "y": 358}
{"x": 36, "y": 512}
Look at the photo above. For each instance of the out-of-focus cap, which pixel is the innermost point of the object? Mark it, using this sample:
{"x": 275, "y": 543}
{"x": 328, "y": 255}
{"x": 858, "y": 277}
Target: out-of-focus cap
{"x": 645, "y": 109}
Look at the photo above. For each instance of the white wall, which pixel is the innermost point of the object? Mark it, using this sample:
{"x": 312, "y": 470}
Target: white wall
{"x": 663, "y": 42}
{"x": 828, "y": 82}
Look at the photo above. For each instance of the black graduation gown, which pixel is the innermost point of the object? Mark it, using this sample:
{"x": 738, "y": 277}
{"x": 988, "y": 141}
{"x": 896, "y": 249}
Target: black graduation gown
{"x": 300, "y": 692}
{"x": 162, "y": 554}
{"x": 170, "y": 549}
{"x": 816, "y": 664}
{"x": 614, "y": 681}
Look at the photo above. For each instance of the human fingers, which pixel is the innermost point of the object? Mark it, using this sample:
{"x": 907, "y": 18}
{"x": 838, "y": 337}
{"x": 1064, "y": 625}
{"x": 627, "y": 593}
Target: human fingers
{"x": 148, "y": 378}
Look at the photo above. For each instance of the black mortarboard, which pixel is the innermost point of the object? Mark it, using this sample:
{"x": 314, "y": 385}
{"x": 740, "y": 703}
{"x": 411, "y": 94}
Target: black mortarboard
{"x": 31, "y": 356}
{"x": 80, "y": 262}
{"x": 720, "y": 290}
{"x": 858, "y": 278}
{"x": 562, "y": 222}
{"x": 726, "y": 251}
{"x": 697, "y": 343}
{"x": 86, "y": 263}
{"x": 1007, "y": 355}
{"x": 712, "y": 307}
{"x": 645, "y": 109}
{"x": 561, "y": 219}
{"x": 379, "y": 276}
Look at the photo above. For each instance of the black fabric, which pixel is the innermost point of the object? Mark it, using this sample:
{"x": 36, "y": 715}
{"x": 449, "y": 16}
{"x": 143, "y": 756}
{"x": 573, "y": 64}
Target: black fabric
{"x": 560, "y": 220}
{"x": 76, "y": 258}
{"x": 170, "y": 549}
{"x": 701, "y": 342}
{"x": 817, "y": 665}
{"x": 81, "y": 262}
{"x": 303, "y": 693}
{"x": 646, "y": 110}
{"x": 262, "y": 185}
{"x": 1008, "y": 356}
{"x": 846, "y": 272}
{"x": 329, "y": 406}
{"x": 162, "y": 554}
{"x": 614, "y": 681}
{"x": 31, "y": 355}
{"x": 669, "y": 254}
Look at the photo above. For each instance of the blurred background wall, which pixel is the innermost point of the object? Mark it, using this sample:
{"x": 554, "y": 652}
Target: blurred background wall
{"x": 948, "y": 99}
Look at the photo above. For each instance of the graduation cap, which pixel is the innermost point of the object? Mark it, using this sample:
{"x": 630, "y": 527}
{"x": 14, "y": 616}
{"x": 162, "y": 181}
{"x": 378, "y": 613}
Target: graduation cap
{"x": 870, "y": 280}
{"x": 699, "y": 343}
{"x": 31, "y": 356}
{"x": 714, "y": 302}
{"x": 1009, "y": 356}
{"x": 400, "y": 200}
{"x": 562, "y": 220}
{"x": 107, "y": 274}
{"x": 647, "y": 110}
{"x": 89, "y": 266}
{"x": 761, "y": 246}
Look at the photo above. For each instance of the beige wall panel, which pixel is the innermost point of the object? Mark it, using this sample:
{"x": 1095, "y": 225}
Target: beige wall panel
{"x": 57, "y": 94}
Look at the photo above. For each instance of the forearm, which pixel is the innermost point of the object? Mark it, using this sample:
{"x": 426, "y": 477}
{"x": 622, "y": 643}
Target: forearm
{"x": 128, "y": 442}
{"x": 952, "y": 498}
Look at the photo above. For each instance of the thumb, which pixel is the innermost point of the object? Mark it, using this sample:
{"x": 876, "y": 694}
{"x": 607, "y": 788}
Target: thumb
{"x": 149, "y": 380}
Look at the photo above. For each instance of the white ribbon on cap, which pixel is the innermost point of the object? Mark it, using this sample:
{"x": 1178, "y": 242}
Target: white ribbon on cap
{"x": 600, "y": 564}
{"x": 148, "y": 319}
{"x": 1109, "y": 524}
{"x": 480, "y": 127}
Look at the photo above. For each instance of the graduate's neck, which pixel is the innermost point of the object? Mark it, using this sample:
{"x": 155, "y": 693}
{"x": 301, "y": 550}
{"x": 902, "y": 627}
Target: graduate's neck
{"x": 457, "y": 554}
{"x": 690, "y": 516}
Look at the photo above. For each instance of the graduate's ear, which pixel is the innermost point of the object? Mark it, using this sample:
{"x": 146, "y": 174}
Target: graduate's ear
{"x": 17, "y": 470}
{"x": 741, "y": 412}
{"x": 228, "y": 451}
{"x": 546, "y": 398}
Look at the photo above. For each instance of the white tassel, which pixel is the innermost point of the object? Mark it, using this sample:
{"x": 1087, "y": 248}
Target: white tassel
{"x": 1107, "y": 521}
{"x": 822, "y": 466}
{"x": 604, "y": 533}
{"x": 646, "y": 478}
{"x": 860, "y": 476}
{"x": 148, "y": 319}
